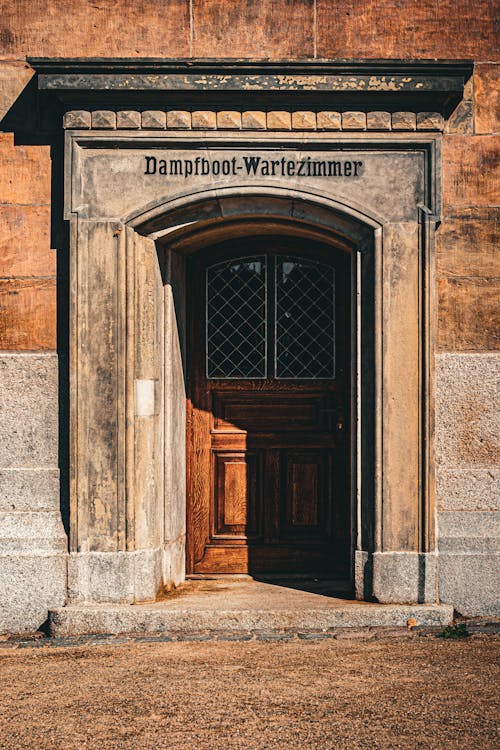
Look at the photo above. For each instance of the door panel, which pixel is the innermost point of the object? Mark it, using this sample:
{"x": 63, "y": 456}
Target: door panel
{"x": 268, "y": 381}
{"x": 257, "y": 412}
{"x": 305, "y": 493}
{"x": 236, "y": 495}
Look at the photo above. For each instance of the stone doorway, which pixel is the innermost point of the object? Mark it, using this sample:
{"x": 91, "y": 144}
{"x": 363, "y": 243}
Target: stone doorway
{"x": 129, "y": 286}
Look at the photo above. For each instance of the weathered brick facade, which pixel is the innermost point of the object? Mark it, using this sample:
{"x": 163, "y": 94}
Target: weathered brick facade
{"x": 33, "y": 264}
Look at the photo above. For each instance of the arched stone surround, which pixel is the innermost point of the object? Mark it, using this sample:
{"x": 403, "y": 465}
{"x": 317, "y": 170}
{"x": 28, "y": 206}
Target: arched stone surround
{"x": 127, "y": 373}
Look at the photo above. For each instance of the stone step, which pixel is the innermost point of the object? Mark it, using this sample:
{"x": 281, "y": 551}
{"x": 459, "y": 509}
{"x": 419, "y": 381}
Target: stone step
{"x": 171, "y": 617}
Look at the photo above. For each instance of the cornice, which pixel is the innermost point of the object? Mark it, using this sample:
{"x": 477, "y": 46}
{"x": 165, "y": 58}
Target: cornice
{"x": 427, "y": 85}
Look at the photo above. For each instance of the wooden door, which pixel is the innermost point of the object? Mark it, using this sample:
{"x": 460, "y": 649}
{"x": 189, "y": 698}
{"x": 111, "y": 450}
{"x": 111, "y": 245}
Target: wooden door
{"x": 268, "y": 455}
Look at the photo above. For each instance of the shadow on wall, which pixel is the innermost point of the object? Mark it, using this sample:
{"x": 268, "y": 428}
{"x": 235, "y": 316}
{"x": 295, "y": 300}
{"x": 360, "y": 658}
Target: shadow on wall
{"x": 33, "y": 125}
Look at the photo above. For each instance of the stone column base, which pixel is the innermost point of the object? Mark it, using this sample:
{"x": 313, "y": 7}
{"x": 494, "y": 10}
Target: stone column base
{"x": 124, "y": 577}
{"x": 396, "y": 577}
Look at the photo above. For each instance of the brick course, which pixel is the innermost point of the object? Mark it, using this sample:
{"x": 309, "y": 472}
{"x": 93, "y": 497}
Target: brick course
{"x": 269, "y": 29}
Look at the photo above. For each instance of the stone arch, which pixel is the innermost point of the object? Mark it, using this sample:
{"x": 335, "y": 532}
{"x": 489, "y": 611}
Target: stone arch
{"x": 191, "y": 212}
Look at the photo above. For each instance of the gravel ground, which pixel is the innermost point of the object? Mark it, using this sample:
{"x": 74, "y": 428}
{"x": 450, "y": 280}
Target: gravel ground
{"x": 388, "y": 693}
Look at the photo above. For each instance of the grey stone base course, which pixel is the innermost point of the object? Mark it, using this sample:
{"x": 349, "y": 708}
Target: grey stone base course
{"x": 467, "y": 428}
{"x": 31, "y": 533}
{"x": 470, "y": 581}
{"x": 32, "y": 539}
{"x": 30, "y": 585}
{"x": 404, "y": 577}
{"x": 29, "y": 489}
{"x": 121, "y": 577}
{"x": 469, "y": 532}
{"x": 124, "y": 577}
{"x": 472, "y": 489}
{"x": 29, "y": 407}
{"x": 73, "y": 620}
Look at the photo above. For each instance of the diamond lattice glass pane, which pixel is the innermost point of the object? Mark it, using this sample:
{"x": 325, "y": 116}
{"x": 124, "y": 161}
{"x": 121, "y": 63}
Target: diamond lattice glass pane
{"x": 236, "y": 319}
{"x": 305, "y": 319}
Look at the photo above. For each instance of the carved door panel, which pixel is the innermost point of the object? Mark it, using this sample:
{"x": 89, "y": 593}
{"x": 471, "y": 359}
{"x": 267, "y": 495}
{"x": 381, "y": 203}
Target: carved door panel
{"x": 268, "y": 458}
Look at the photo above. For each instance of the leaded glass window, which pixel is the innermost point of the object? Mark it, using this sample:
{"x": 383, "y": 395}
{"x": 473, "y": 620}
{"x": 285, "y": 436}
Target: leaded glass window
{"x": 301, "y": 321}
{"x": 305, "y": 319}
{"x": 236, "y": 319}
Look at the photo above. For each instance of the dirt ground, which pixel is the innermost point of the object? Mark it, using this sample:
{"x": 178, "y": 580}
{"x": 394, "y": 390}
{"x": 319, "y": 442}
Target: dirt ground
{"x": 394, "y": 693}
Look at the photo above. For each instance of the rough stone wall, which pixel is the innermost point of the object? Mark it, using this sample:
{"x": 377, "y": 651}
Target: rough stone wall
{"x": 467, "y": 367}
{"x": 467, "y": 257}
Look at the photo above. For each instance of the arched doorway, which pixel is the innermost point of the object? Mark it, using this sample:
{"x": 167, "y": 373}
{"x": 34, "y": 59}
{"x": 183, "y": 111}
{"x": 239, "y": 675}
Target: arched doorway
{"x": 143, "y": 419}
{"x": 268, "y": 414}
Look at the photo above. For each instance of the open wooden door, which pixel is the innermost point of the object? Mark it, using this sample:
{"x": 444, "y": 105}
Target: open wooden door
{"x": 268, "y": 433}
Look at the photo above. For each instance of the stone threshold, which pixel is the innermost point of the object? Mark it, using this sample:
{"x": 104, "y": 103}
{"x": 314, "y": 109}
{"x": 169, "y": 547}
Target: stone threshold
{"x": 180, "y": 624}
{"x": 242, "y": 606}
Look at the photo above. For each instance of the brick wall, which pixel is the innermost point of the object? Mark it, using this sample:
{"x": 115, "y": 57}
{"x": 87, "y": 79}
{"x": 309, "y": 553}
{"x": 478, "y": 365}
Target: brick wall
{"x": 266, "y": 29}
{"x": 468, "y": 265}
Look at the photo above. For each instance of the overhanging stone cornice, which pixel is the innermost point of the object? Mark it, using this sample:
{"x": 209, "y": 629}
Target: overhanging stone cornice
{"x": 416, "y": 84}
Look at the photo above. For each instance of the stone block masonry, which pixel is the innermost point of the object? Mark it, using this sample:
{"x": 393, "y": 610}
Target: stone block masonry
{"x": 282, "y": 120}
{"x": 34, "y": 321}
{"x": 33, "y": 543}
